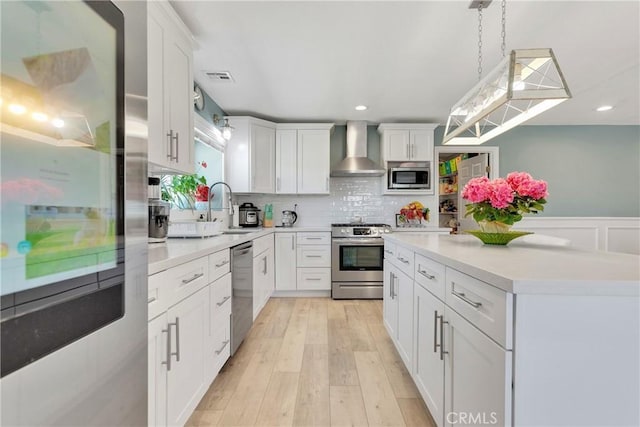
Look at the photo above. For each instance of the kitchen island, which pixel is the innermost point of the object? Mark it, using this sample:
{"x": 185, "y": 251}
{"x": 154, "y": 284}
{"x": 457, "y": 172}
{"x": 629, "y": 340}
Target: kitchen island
{"x": 532, "y": 333}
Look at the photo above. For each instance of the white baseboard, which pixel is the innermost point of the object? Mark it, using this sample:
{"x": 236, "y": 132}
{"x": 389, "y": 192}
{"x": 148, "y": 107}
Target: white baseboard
{"x": 613, "y": 234}
{"x": 301, "y": 294}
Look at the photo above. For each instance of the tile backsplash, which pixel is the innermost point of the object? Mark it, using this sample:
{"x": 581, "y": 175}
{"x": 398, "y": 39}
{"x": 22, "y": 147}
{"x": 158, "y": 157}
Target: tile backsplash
{"x": 349, "y": 198}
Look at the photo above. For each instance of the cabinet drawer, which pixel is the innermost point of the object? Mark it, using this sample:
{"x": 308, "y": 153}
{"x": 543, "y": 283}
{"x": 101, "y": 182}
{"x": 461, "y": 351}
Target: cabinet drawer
{"x": 389, "y": 250}
{"x": 314, "y": 256}
{"x": 261, "y": 244}
{"x": 404, "y": 260}
{"x": 430, "y": 274}
{"x": 314, "y": 279}
{"x": 221, "y": 293}
{"x": 219, "y": 264}
{"x": 183, "y": 280}
{"x": 486, "y": 307}
{"x": 314, "y": 238}
{"x": 158, "y": 299}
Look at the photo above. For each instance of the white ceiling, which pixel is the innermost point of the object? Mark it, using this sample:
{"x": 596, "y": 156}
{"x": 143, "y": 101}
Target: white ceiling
{"x": 408, "y": 61}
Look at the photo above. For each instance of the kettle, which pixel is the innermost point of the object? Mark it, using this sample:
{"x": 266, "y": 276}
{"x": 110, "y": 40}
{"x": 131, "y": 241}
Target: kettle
{"x": 289, "y": 218}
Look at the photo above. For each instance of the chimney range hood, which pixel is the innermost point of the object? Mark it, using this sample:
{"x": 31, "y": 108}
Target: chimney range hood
{"x": 356, "y": 163}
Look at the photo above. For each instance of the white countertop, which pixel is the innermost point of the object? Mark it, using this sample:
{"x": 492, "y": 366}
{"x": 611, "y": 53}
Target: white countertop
{"x": 528, "y": 267}
{"x": 176, "y": 251}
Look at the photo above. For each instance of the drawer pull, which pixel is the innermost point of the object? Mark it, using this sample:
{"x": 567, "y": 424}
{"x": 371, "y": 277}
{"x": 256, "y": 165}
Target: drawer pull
{"x": 152, "y": 299}
{"x": 442, "y": 323}
{"x": 225, "y": 262}
{"x": 315, "y": 279}
{"x": 464, "y": 298}
{"x": 387, "y": 251}
{"x": 223, "y": 301}
{"x": 195, "y": 276}
{"x": 313, "y": 256}
{"x": 427, "y": 275}
{"x": 404, "y": 261}
{"x": 224, "y": 344}
{"x": 313, "y": 238}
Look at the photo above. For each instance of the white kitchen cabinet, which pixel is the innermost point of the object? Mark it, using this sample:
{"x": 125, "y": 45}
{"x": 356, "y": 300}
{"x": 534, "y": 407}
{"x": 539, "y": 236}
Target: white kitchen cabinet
{"x": 404, "y": 294}
{"x": 263, "y": 273}
{"x": 157, "y": 352}
{"x": 219, "y": 348}
{"x": 187, "y": 322}
{"x": 406, "y": 142}
{"x": 286, "y": 161}
{"x": 390, "y": 299}
{"x": 170, "y": 91}
{"x": 285, "y": 255}
{"x": 302, "y": 158}
{"x": 478, "y": 374}
{"x": 428, "y": 373}
{"x": 250, "y": 155}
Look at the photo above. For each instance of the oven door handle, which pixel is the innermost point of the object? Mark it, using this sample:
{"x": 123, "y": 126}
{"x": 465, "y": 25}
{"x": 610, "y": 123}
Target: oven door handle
{"x": 374, "y": 241}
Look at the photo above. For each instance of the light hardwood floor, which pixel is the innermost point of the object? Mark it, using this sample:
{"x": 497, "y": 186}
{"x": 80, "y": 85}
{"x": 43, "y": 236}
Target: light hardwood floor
{"x": 314, "y": 362}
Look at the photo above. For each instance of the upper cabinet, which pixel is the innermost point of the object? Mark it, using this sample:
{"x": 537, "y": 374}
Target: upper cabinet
{"x": 406, "y": 142}
{"x": 302, "y": 158}
{"x": 250, "y": 155}
{"x": 170, "y": 91}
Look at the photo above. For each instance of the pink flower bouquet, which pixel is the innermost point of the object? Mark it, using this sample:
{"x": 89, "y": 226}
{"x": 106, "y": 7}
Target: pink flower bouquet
{"x": 504, "y": 200}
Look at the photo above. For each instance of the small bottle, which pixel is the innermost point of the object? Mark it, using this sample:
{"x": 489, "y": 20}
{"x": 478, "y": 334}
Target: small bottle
{"x": 268, "y": 216}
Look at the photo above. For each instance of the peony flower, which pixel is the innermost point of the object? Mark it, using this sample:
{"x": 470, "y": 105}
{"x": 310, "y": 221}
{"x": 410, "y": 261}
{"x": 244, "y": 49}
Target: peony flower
{"x": 477, "y": 190}
{"x": 501, "y": 193}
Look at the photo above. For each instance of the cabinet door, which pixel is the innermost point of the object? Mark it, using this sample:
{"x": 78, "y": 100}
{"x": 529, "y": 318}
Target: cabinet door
{"x": 157, "y": 371}
{"x": 313, "y": 161}
{"x": 421, "y": 145}
{"x": 396, "y": 143}
{"x": 390, "y": 299}
{"x": 158, "y": 141}
{"x": 286, "y": 161}
{"x": 285, "y": 262}
{"x": 260, "y": 281}
{"x": 186, "y": 383}
{"x": 179, "y": 84}
{"x": 269, "y": 283}
{"x": 428, "y": 368}
{"x": 477, "y": 375}
{"x": 263, "y": 150}
{"x": 404, "y": 295}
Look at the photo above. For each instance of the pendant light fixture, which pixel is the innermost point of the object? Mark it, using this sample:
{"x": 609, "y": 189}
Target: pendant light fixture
{"x": 525, "y": 83}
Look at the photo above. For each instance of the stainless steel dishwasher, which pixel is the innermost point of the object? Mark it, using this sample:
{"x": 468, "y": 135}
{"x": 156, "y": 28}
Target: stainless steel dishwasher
{"x": 242, "y": 295}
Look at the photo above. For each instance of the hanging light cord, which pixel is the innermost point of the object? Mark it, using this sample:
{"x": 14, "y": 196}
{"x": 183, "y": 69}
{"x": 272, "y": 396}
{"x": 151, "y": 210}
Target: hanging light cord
{"x": 480, "y": 41}
{"x": 504, "y": 28}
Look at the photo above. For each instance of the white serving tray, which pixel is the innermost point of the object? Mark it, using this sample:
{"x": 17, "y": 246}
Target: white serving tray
{"x": 193, "y": 229}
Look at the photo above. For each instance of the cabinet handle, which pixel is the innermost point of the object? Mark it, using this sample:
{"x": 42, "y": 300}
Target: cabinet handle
{"x": 195, "y": 276}
{"x": 293, "y": 242}
{"x": 386, "y": 251}
{"x": 264, "y": 270}
{"x": 177, "y": 147}
{"x": 313, "y": 279}
{"x": 464, "y": 298}
{"x": 177, "y": 352}
{"x": 413, "y": 148}
{"x": 442, "y": 323}
{"x": 223, "y": 301}
{"x": 278, "y": 183}
{"x": 327, "y": 184}
{"x": 152, "y": 299}
{"x": 402, "y": 260}
{"x": 313, "y": 238}
{"x": 393, "y": 286}
{"x": 224, "y": 344}
{"x": 313, "y": 256}
{"x": 225, "y": 262}
{"x": 244, "y": 252}
{"x": 168, "y": 348}
{"x": 390, "y": 285}
{"x": 425, "y": 274}
{"x": 435, "y": 331}
{"x": 170, "y": 154}
{"x": 407, "y": 150}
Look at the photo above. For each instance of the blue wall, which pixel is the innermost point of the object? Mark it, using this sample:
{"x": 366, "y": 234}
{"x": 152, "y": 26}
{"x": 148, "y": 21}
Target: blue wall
{"x": 210, "y": 108}
{"x": 591, "y": 170}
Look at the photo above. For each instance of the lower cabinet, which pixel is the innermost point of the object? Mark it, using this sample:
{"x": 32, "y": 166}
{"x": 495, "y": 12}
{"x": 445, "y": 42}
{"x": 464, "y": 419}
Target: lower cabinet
{"x": 303, "y": 261}
{"x": 390, "y": 299}
{"x": 428, "y": 374}
{"x": 404, "y": 295}
{"x": 218, "y": 346}
{"x": 286, "y": 267}
{"x": 263, "y": 273}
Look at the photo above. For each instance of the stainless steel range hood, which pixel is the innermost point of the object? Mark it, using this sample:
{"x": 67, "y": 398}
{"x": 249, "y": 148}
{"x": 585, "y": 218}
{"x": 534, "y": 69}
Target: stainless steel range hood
{"x": 356, "y": 163}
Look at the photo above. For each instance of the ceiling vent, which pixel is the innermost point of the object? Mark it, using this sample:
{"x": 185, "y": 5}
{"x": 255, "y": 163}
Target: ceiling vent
{"x": 220, "y": 76}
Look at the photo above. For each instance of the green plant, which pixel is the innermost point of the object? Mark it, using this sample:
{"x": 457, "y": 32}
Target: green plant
{"x": 180, "y": 190}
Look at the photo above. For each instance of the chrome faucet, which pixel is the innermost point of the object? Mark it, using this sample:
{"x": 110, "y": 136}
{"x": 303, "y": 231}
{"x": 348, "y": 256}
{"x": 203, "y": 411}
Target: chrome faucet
{"x": 211, "y": 196}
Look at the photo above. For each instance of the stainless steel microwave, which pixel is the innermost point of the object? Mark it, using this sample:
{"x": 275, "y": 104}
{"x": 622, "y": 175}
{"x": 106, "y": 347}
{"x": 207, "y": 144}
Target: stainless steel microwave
{"x": 410, "y": 177}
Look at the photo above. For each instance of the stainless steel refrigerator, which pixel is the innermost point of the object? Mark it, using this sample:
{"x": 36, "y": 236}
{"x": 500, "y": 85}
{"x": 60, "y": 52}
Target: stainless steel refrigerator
{"x": 73, "y": 218}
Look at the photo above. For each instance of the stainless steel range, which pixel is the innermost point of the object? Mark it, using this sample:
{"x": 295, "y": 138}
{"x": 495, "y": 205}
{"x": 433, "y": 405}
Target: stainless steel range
{"x": 357, "y": 255}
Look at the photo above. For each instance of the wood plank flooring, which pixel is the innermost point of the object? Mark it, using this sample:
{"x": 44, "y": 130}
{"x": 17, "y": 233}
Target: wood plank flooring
{"x": 314, "y": 362}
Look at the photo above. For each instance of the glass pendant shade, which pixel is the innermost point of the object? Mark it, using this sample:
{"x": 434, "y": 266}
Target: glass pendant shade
{"x": 524, "y": 84}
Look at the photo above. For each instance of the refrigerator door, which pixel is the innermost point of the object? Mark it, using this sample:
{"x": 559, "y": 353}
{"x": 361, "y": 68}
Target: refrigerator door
{"x": 62, "y": 126}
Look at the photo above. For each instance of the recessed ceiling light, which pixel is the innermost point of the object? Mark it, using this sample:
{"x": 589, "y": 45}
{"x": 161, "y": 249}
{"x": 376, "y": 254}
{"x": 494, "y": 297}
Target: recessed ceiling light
{"x": 604, "y": 108}
{"x": 361, "y": 107}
